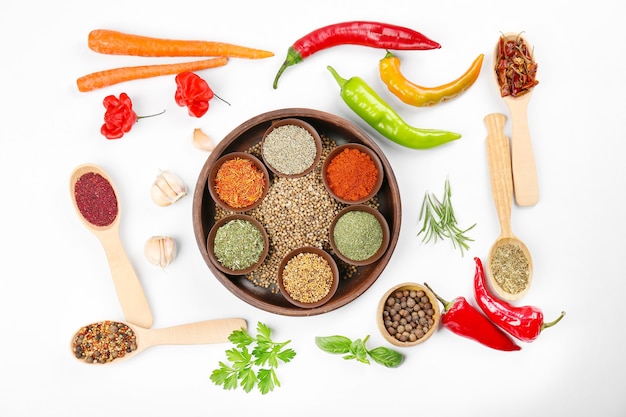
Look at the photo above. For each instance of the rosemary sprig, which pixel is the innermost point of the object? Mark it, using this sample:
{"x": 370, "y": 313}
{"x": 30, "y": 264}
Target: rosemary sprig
{"x": 439, "y": 221}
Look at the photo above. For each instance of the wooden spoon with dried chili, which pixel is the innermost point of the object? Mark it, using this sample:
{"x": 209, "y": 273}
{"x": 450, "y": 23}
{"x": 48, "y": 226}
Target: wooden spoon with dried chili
{"x": 515, "y": 71}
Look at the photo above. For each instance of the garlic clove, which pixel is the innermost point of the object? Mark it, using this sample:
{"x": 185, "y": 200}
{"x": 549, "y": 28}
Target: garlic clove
{"x": 167, "y": 189}
{"x": 160, "y": 250}
{"x": 202, "y": 141}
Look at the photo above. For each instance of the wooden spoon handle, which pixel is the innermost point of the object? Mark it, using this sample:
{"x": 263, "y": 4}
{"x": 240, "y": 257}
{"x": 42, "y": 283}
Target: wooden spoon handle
{"x": 499, "y": 157}
{"x": 127, "y": 285}
{"x": 198, "y": 333}
{"x": 525, "y": 181}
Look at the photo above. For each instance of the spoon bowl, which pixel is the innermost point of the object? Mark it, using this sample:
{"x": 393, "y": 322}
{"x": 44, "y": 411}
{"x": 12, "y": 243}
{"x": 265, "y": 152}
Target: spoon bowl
{"x": 111, "y": 341}
{"x": 524, "y": 169}
{"x": 508, "y": 253}
{"x": 98, "y": 208}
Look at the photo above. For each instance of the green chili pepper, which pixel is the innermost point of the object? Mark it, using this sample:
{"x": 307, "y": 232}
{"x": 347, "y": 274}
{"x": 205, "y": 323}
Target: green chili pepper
{"x": 368, "y": 105}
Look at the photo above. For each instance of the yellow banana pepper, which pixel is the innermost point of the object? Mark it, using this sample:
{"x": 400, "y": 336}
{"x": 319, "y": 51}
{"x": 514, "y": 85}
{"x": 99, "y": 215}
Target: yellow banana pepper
{"x": 419, "y": 96}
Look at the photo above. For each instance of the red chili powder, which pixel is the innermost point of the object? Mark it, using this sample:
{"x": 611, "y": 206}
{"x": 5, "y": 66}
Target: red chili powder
{"x": 95, "y": 198}
{"x": 352, "y": 174}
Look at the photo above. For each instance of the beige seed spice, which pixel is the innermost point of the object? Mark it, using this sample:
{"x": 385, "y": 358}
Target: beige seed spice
{"x": 307, "y": 277}
{"x": 510, "y": 268}
{"x": 296, "y": 212}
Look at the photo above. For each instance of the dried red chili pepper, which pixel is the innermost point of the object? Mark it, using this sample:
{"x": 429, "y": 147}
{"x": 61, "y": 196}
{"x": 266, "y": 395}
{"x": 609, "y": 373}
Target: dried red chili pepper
{"x": 371, "y": 34}
{"x": 524, "y": 323}
{"x": 119, "y": 116}
{"x": 465, "y": 320}
{"x": 194, "y": 92}
{"x": 515, "y": 67}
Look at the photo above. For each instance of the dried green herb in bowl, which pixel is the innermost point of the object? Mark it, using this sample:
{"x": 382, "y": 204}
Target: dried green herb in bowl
{"x": 359, "y": 235}
{"x": 237, "y": 244}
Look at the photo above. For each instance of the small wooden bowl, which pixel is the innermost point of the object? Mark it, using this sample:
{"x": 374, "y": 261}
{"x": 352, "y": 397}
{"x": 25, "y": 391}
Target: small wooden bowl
{"x": 373, "y": 156}
{"x": 383, "y": 224}
{"x": 380, "y": 319}
{"x": 331, "y": 262}
{"x": 306, "y": 126}
{"x": 213, "y": 174}
{"x": 211, "y": 243}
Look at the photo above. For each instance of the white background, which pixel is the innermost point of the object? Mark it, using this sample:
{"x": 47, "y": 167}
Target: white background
{"x": 55, "y": 277}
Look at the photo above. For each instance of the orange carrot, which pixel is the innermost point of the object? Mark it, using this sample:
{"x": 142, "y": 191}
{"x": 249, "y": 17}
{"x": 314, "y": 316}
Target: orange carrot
{"x": 118, "y": 43}
{"x": 109, "y": 77}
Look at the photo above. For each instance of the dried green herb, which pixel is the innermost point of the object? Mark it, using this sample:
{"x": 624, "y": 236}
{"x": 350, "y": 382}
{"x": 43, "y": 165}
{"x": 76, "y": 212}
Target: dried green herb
{"x": 253, "y": 361}
{"x": 439, "y": 221}
{"x": 358, "y": 235}
{"x": 238, "y": 244}
{"x": 357, "y": 350}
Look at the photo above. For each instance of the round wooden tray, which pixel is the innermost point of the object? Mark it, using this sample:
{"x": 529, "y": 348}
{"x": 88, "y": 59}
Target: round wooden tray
{"x": 247, "y": 135}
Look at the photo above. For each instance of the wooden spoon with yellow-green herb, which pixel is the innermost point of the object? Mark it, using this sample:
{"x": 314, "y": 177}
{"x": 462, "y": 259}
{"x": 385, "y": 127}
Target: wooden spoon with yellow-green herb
{"x": 510, "y": 264}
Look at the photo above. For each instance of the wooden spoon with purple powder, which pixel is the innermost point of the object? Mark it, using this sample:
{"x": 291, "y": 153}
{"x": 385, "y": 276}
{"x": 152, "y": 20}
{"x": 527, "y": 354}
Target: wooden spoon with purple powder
{"x": 96, "y": 203}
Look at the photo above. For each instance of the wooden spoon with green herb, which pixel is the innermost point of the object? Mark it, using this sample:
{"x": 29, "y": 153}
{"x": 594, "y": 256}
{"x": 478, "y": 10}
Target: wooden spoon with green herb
{"x": 510, "y": 264}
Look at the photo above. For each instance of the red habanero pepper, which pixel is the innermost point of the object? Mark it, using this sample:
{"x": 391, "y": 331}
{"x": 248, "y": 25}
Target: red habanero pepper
{"x": 465, "y": 320}
{"x": 524, "y": 323}
{"x": 363, "y": 33}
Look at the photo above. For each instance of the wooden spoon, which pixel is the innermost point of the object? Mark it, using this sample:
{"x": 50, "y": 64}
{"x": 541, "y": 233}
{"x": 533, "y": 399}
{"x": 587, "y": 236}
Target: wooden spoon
{"x": 120, "y": 335}
{"x": 523, "y": 159}
{"x": 127, "y": 285}
{"x": 499, "y": 158}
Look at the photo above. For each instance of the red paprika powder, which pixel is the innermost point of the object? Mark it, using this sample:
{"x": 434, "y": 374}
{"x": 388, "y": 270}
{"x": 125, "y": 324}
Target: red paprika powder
{"x": 96, "y": 199}
{"x": 352, "y": 174}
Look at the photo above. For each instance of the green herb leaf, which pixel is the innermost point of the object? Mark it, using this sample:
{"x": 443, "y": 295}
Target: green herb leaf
{"x": 243, "y": 368}
{"x": 386, "y": 357}
{"x": 439, "y": 221}
{"x": 263, "y": 333}
{"x": 333, "y": 344}
{"x": 286, "y": 355}
{"x": 357, "y": 350}
{"x": 225, "y": 375}
{"x": 241, "y": 338}
{"x": 267, "y": 380}
{"x": 248, "y": 379}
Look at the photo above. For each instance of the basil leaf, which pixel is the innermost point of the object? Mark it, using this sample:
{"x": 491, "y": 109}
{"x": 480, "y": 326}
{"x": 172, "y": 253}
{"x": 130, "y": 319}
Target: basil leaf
{"x": 333, "y": 344}
{"x": 386, "y": 357}
{"x": 359, "y": 351}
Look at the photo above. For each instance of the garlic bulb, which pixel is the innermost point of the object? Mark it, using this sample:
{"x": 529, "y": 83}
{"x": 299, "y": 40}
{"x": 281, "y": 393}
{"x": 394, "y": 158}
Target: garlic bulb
{"x": 202, "y": 141}
{"x": 167, "y": 189}
{"x": 160, "y": 250}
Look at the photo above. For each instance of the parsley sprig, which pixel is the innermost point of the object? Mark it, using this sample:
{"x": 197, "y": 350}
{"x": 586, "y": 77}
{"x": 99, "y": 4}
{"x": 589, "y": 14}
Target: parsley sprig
{"x": 439, "y": 221}
{"x": 357, "y": 349}
{"x": 253, "y": 361}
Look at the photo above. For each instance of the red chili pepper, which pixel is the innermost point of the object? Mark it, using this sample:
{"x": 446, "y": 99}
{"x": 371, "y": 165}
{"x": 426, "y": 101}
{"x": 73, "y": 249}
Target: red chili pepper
{"x": 194, "y": 92}
{"x": 465, "y": 320}
{"x": 524, "y": 323}
{"x": 372, "y": 34}
{"x": 119, "y": 117}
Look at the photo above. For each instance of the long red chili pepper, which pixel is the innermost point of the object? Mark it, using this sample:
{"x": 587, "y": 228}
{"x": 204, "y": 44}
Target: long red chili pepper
{"x": 524, "y": 323}
{"x": 465, "y": 320}
{"x": 363, "y": 33}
